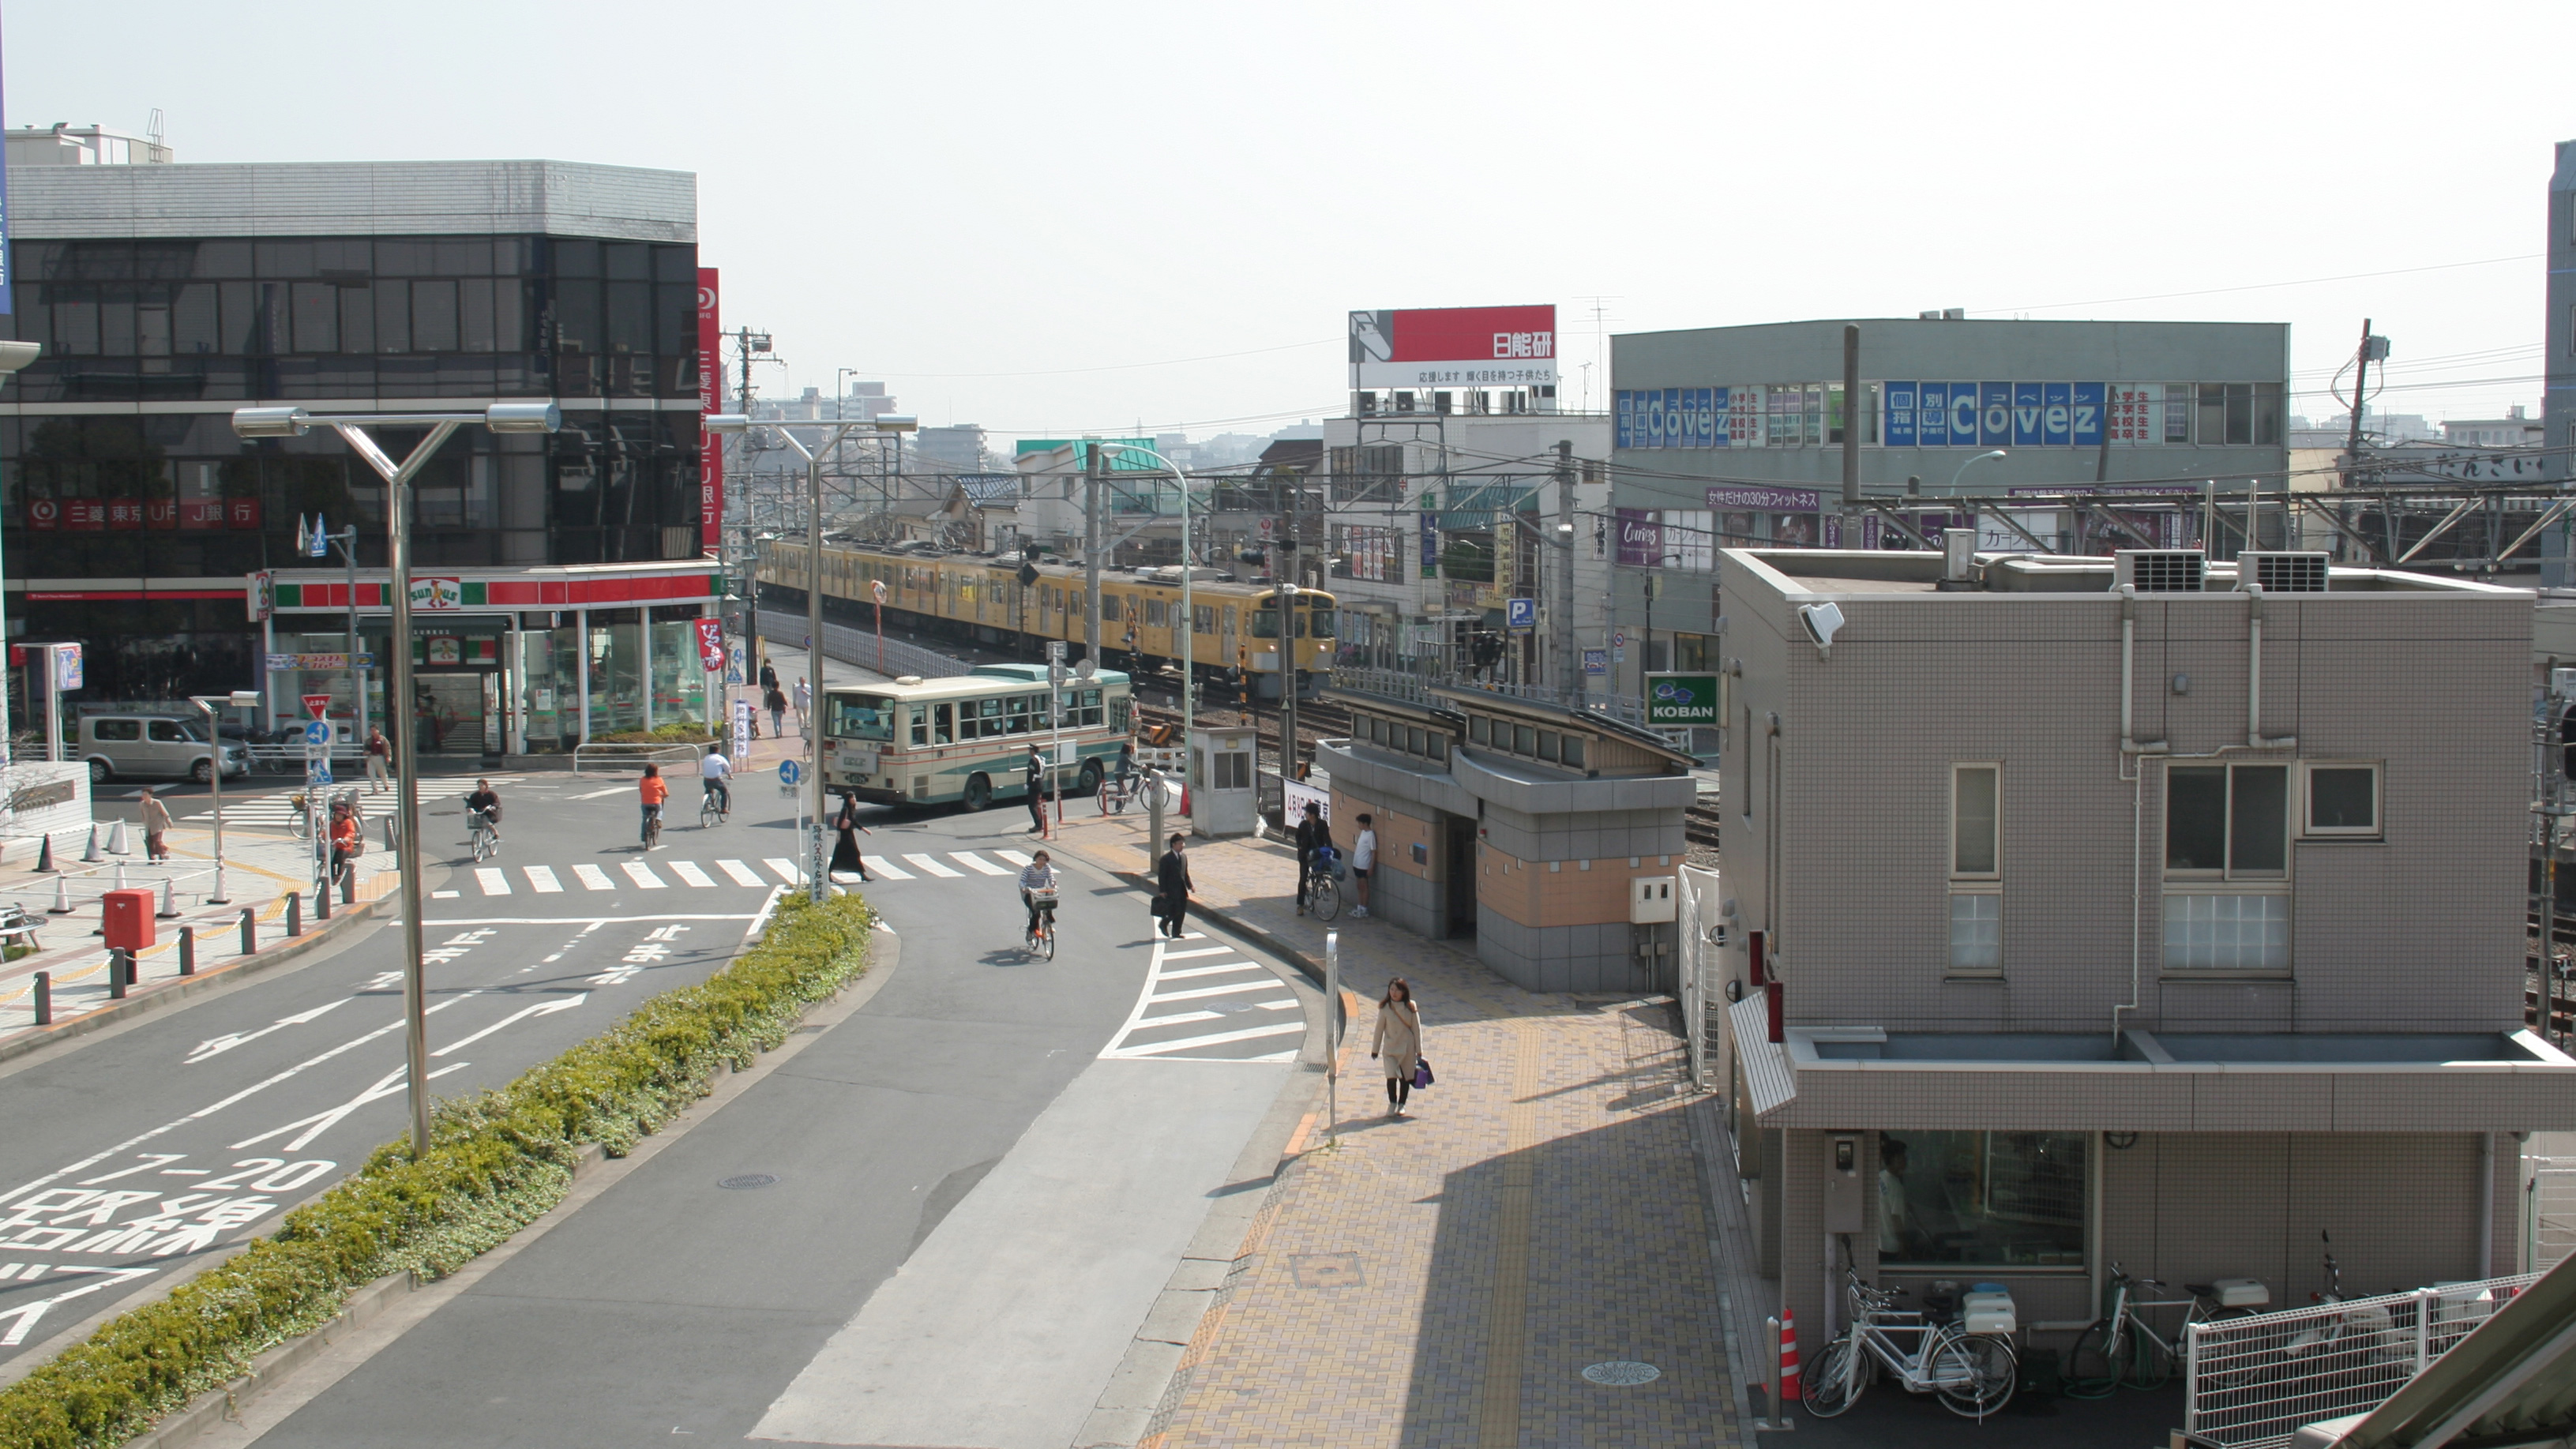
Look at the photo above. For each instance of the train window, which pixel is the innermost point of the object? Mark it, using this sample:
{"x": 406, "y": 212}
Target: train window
{"x": 940, "y": 732}
{"x": 1229, "y": 619}
{"x": 1109, "y": 609}
{"x": 1301, "y": 626}
{"x": 1323, "y": 620}
{"x": 1203, "y": 618}
{"x": 1265, "y": 623}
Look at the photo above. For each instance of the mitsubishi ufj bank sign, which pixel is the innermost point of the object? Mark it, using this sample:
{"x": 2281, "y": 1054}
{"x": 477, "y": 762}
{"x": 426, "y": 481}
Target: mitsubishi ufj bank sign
{"x": 1681, "y": 699}
{"x": 1454, "y": 347}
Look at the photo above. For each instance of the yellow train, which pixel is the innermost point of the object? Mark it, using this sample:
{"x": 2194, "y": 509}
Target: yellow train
{"x": 1235, "y": 636}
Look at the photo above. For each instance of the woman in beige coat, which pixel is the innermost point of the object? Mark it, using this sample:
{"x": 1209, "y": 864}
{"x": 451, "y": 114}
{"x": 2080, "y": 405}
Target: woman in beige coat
{"x": 1399, "y": 1042}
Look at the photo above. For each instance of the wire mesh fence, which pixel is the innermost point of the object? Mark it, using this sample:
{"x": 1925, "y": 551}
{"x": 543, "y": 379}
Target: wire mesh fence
{"x": 2549, "y": 1212}
{"x": 2253, "y": 1381}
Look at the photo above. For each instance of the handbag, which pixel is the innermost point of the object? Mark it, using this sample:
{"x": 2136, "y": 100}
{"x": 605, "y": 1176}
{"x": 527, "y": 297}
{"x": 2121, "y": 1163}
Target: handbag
{"x": 1422, "y": 1078}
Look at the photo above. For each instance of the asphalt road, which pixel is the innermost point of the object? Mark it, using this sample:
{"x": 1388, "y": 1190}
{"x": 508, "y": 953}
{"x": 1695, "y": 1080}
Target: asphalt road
{"x": 982, "y": 1178}
{"x": 133, "y": 1153}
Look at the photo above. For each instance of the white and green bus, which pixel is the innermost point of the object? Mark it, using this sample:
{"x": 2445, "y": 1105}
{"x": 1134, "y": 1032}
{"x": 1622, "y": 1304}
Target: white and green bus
{"x": 966, "y": 739}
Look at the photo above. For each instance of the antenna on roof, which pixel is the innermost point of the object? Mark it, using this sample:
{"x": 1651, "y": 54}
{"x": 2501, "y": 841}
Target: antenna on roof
{"x": 152, "y": 132}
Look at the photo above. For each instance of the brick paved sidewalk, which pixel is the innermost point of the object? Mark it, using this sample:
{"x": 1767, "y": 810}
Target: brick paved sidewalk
{"x": 1445, "y": 1279}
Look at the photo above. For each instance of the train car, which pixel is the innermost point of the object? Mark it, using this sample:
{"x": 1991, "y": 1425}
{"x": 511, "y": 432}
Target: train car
{"x": 1234, "y": 641}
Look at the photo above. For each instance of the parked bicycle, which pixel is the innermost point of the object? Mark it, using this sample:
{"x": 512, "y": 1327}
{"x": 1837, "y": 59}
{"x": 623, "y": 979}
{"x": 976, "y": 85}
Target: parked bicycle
{"x": 1323, "y": 892}
{"x": 2123, "y": 1347}
{"x": 1973, "y": 1374}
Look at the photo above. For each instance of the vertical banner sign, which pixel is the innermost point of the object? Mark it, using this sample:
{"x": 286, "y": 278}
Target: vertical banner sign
{"x": 710, "y": 400}
{"x": 711, "y": 649}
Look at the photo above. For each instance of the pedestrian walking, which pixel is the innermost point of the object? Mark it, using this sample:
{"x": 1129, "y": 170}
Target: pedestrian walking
{"x": 776, "y": 704}
{"x": 1363, "y": 860}
{"x": 1036, "y": 780}
{"x": 845, "y": 850}
{"x": 1398, "y": 1043}
{"x": 1172, "y": 877}
{"x": 380, "y": 753}
{"x": 1311, "y": 834}
{"x": 804, "y": 702}
{"x": 156, "y": 821}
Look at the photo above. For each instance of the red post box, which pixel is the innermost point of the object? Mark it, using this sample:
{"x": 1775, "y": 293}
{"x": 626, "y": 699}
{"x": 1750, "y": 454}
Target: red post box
{"x": 127, "y": 919}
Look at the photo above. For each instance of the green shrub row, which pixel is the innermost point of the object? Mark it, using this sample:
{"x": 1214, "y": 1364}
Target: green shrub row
{"x": 685, "y": 732}
{"x": 496, "y": 1162}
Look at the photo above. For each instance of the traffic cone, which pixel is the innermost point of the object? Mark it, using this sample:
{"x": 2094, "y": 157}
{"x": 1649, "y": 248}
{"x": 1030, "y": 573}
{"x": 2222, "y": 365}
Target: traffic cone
{"x": 45, "y": 857}
{"x": 120, "y": 875}
{"x": 1788, "y": 1356}
{"x": 89, "y": 852}
{"x": 116, "y": 841}
{"x": 169, "y": 901}
{"x": 62, "y": 905}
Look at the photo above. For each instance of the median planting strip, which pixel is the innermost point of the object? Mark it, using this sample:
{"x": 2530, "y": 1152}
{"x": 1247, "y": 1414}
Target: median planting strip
{"x": 496, "y": 1162}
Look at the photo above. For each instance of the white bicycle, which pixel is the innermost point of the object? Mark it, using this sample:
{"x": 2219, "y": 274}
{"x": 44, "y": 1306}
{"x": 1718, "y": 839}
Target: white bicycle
{"x": 1972, "y": 1373}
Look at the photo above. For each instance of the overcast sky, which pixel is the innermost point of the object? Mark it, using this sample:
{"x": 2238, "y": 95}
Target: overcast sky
{"x": 1054, "y": 219}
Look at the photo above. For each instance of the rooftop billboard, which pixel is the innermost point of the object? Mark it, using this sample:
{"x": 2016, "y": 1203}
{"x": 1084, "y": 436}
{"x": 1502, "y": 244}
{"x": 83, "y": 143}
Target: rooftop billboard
{"x": 1454, "y": 347}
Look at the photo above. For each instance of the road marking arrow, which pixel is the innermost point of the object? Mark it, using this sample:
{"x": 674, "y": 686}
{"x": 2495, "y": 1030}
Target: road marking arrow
{"x": 215, "y": 1046}
{"x": 542, "y": 1008}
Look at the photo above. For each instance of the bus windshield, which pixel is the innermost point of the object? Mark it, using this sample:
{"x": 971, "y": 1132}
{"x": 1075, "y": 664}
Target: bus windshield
{"x": 861, "y": 717}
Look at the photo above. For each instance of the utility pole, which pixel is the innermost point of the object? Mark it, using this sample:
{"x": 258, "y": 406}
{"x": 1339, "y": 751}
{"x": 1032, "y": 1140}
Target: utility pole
{"x": 1091, "y": 485}
{"x": 2352, "y": 438}
{"x": 1851, "y": 435}
{"x": 1569, "y": 670}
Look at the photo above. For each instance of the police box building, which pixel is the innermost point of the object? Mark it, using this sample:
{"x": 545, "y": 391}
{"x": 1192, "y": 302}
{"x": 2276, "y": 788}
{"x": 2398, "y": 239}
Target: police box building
{"x": 2095, "y": 434}
{"x": 557, "y": 578}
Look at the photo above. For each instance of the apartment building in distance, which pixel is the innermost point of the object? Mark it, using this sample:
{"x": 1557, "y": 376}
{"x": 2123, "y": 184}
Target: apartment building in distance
{"x": 2130, "y": 909}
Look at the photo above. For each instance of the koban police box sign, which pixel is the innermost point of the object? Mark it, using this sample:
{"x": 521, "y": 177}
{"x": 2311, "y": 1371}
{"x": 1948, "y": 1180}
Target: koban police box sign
{"x": 1681, "y": 699}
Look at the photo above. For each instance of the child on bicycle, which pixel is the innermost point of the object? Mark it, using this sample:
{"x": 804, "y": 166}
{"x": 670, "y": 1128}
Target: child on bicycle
{"x": 652, "y": 790}
{"x": 1040, "y": 876}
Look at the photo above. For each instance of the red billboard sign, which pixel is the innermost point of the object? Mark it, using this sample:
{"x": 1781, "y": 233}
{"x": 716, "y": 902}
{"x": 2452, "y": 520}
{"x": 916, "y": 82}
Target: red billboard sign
{"x": 711, "y": 649}
{"x": 710, "y": 400}
{"x": 1454, "y": 347}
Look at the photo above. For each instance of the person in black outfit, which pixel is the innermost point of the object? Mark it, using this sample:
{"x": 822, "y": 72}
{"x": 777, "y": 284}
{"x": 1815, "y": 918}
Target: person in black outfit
{"x": 1036, "y": 779}
{"x": 768, "y": 676}
{"x": 845, "y": 851}
{"x": 1172, "y": 876}
{"x": 1311, "y": 832}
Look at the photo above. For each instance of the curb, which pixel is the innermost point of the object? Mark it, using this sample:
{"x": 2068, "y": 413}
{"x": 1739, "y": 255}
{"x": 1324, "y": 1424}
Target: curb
{"x": 180, "y": 988}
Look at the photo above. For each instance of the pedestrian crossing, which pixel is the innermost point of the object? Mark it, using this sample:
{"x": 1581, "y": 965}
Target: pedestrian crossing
{"x": 695, "y": 875}
{"x": 1209, "y": 1003}
{"x": 274, "y": 811}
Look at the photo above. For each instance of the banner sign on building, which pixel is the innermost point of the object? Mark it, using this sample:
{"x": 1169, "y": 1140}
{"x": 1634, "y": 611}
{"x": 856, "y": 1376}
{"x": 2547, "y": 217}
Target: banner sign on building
{"x": 1454, "y": 347}
{"x": 710, "y": 400}
{"x": 1641, "y": 538}
{"x": 711, "y": 648}
{"x": 1681, "y": 699}
{"x": 1911, "y": 415}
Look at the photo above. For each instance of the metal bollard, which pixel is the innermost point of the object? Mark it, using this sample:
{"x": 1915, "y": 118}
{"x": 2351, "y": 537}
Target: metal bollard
{"x": 1774, "y": 1413}
{"x": 322, "y": 901}
{"x": 250, "y": 931}
{"x": 44, "y": 998}
{"x": 187, "y": 950}
{"x": 118, "y": 969}
{"x": 294, "y": 914}
{"x": 349, "y": 887}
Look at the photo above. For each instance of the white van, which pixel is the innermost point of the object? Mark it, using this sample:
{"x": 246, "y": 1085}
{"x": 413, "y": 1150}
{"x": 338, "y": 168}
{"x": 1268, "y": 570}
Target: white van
{"x": 152, "y": 746}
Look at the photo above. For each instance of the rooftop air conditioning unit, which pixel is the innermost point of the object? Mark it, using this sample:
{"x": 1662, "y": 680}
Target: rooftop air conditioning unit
{"x": 2280, "y": 571}
{"x": 2159, "y": 570}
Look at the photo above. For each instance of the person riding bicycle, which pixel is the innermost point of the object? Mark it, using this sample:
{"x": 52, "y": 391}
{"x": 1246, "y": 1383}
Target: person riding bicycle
{"x": 483, "y": 808}
{"x": 714, "y": 770}
{"x": 1040, "y": 876}
{"x": 348, "y": 841}
{"x": 652, "y": 790}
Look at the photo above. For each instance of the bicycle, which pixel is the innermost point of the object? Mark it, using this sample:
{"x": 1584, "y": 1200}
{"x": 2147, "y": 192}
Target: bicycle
{"x": 1973, "y": 1374}
{"x": 2127, "y": 1349}
{"x": 481, "y": 835}
{"x": 652, "y": 827}
{"x": 1039, "y": 941}
{"x": 1323, "y": 895}
{"x": 1114, "y": 793}
{"x": 709, "y": 812}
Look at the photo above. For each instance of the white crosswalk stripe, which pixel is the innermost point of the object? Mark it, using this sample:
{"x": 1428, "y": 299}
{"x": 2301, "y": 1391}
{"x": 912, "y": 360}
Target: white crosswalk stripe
{"x": 688, "y": 871}
{"x": 890, "y": 872}
{"x": 1234, "y": 989}
{"x": 542, "y": 879}
{"x": 493, "y": 881}
{"x": 592, "y": 878}
{"x": 1013, "y": 856}
{"x": 931, "y": 864}
{"x": 786, "y": 869}
{"x": 1239, "y": 989}
{"x": 741, "y": 873}
{"x": 642, "y": 874}
{"x": 972, "y": 861}
{"x": 1213, "y": 1039}
{"x": 1209, "y": 970}
{"x": 273, "y": 810}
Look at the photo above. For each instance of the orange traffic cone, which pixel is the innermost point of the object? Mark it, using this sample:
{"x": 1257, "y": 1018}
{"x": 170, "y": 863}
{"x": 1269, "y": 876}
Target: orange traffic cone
{"x": 1788, "y": 1356}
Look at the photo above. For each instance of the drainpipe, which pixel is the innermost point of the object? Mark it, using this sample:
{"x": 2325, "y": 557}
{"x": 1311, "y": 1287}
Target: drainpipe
{"x": 2254, "y": 675}
{"x": 2133, "y": 749}
{"x": 2129, "y": 742}
{"x": 2486, "y": 1204}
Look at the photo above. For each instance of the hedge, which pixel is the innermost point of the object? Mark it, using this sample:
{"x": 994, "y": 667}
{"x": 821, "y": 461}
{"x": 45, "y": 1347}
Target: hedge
{"x": 496, "y": 1162}
{"x": 685, "y": 732}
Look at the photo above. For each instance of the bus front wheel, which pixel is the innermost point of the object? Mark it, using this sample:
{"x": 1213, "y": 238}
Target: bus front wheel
{"x": 1088, "y": 782}
{"x": 979, "y": 791}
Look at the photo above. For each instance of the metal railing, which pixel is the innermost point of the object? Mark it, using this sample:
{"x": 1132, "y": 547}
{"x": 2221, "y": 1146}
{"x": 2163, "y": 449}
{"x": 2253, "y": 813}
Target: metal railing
{"x": 2549, "y": 1212}
{"x": 2252, "y": 1382}
{"x": 1416, "y": 689}
{"x": 859, "y": 647}
{"x": 635, "y": 756}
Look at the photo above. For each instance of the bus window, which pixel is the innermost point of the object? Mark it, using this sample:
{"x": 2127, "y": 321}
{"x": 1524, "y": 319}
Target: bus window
{"x": 1088, "y": 712}
{"x": 940, "y": 733}
{"x": 861, "y": 717}
{"x": 1122, "y": 715}
{"x": 1265, "y": 623}
{"x": 988, "y": 718}
{"x": 921, "y": 724}
{"x": 1018, "y": 705}
{"x": 1323, "y": 621}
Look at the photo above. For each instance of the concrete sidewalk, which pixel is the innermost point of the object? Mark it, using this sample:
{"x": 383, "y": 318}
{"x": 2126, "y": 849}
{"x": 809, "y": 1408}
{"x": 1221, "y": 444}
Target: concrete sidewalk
{"x": 1447, "y": 1278}
{"x": 260, "y": 869}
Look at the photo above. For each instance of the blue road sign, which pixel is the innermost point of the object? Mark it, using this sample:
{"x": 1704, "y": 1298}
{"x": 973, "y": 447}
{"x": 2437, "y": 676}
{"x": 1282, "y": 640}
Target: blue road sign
{"x": 1520, "y": 613}
{"x": 1596, "y": 661}
{"x": 317, "y": 732}
{"x": 317, "y": 772}
{"x": 788, "y": 772}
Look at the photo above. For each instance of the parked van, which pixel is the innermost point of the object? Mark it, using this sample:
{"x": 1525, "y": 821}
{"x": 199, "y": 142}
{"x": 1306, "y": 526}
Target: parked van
{"x": 152, "y": 746}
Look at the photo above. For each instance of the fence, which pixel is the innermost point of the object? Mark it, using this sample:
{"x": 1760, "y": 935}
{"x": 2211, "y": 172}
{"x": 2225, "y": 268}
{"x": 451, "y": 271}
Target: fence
{"x": 2252, "y": 1382}
{"x": 2549, "y": 1212}
{"x": 622, "y": 758}
{"x": 1416, "y": 689}
{"x": 859, "y": 647}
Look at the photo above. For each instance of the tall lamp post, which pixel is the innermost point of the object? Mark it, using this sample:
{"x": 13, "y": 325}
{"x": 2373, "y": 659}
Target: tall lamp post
{"x": 1972, "y": 462}
{"x": 289, "y": 422}
{"x": 818, "y": 883}
{"x": 238, "y": 699}
{"x": 1189, "y": 627}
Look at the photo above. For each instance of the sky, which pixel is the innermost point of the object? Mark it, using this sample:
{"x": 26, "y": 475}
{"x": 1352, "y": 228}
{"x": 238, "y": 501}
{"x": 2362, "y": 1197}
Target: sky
{"x": 1054, "y": 220}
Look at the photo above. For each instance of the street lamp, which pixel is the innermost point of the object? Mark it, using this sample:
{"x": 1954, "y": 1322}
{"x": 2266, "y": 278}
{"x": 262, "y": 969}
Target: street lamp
{"x": 290, "y": 422}
{"x": 818, "y": 882}
{"x": 238, "y": 699}
{"x": 1972, "y": 462}
{"x": 1189, "y": 630}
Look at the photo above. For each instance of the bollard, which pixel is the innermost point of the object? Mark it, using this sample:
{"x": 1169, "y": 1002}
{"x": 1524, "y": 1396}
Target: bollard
{"x": 44, "y": 998}
{"x": 294, "y": 914}
{"x": 322, "y": 901}
{"x": 349, "y": 887}
{"x": 187, "y": 950}
{"x": 117, "y": 972}
{"x": 250, "y": 931}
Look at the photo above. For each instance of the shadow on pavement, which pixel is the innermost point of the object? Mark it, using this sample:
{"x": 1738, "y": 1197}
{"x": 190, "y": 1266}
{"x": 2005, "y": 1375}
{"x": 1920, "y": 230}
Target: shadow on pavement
{"x": 1886, "y": 1416}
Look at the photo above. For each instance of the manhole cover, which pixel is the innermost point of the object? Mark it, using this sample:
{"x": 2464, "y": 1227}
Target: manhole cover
{"x": 763, "y": 1179}
{"x": 1623, "y": 1373}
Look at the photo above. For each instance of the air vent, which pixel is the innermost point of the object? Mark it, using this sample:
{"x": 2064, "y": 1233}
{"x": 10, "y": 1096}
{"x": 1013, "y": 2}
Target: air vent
{"x": 2282, "y": 572}
{"x": 2159, "y": 570}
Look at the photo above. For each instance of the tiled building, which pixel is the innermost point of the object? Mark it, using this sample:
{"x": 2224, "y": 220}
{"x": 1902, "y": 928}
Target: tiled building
{"x": 2168, "y": 925}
